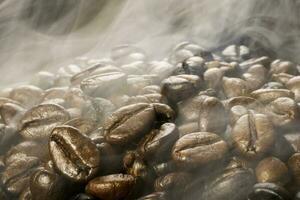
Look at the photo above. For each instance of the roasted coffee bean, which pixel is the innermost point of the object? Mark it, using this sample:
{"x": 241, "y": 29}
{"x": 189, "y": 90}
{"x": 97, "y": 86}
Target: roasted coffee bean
{"x": 234, "y": 87}
{"x": 157, "y": 145}
{"x": 272, "y": 170}
{"x": 27, "y": 95}
{"x": 198, "y": 149}
{"x": 136, "y": 166}
{"x": 236, "y": 112}
{"x": 188, "y": 128}
{"x": 265, "y": 61}
{"x": 151, "y": 89}
{"x": 29, "y": 148}
{"x": 255, "y": 76}
{"x": 236, "y": 53}
{"x": 155, "y": 196}
{"x": 293, "y": 85}
{"x": 115, "y": 186}
{"x": 55, "y": 93}
{"x": 38, "y": 122}
{"x": 180, "y": 87}
{"x": 103, "y": 85}
{"x": 83, "y": 197}
{"x": 173, "y": 182}
{"x": 74, "y": 155}
{"x": 213, "y": 78}
{"x": 273, "y": 85}
{"x": 4, "y": 100}
{"x": 268, "y": 191}
{"x": 294, "y": 166}
{"x": 124, "y": 126}
{"x": 84, "y": 125}
{"x": 283, "y": 148}
{"x": 26, "y": 194}
{"x": 11, "y": 113}
{"x": 212, "y": 116}
{"x": 233, "y": 184}
{"x": 16, "y": 175}
{"x": 147, "y": 98}
{"x": 75, "y": 98}
{"x": 8, "y": 137}
{"x": 279, "y": 66}
{"x": 45, "y": 184}
{"x": 282, "y": 111}
{"x": 253, "y": 135}
{"x": 193, "y": 65}
{"x": 135, "y": 83}
{"x": 164, "y": 168}
{"x": 268, "y": 95}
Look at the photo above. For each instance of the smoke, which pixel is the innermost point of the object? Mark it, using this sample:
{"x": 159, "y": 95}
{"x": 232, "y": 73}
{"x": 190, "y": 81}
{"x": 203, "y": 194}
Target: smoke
{"x": 43, "y": 35}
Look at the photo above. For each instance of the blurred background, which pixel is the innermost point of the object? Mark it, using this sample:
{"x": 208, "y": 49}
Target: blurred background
{"x": 44, "y": 35}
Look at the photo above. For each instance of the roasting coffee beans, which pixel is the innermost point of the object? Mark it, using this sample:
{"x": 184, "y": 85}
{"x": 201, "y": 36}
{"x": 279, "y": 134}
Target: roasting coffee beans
{"x": 74, "y": 155}
{"x": 198, "y": 124}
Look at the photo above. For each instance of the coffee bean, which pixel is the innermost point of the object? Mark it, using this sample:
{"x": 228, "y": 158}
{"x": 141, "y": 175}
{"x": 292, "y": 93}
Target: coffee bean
{"x": 234, "y": 87}
{"x": 83, "y": 197}
{"x": 180, "y": 87}
{"x": 159, "y": 142}
{"x": 25, "y": 195}
{"x": 293, "y": 85}
{"x": 155, "y": 196}
{"x": 268, "y": 191}
{"x": 103, "y": 85}
{"x": 198, "y": 149}
{"x": 74, "y": 155}
{"x": 47, "y": 185}
{"x": 173, "y": 182}
{"x": 233, "y": 184}
{"x": 115, "y": 186}
{"x": 11, "y": 113}
{"x": 279, "y": 66}
{"x": 27, "y": 95}
{"x": 38, "y": 122}
{"x": 84, "y": 125}
{"x": 268, "y": 95}
{"x": 124, "y": 127}
{"x": 272, "y": 170}
{"x": 253, "y": 135}
{"x": 294, "y": 166}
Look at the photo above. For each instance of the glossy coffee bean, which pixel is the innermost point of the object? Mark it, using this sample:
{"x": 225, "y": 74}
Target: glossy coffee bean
{"x": 158, "y": 144}
{"x": 115, "y": 186}
{"x": 103, "y": 85}
{"x": 16, "y": 175}
{"x": 268, "y": 95}
{"x": 84, "y": 125}
{"x": 234, "y": 184}
{"x": 294, "y": 166}
{"x": 155, "y": 196}
{"x": 173, "y": 182}
{"x": 124, "y": 125}
{"x": 198, "y": 149}
{"x": 293, "y": 85}
{"x": 38, "y": 122}
{"x": 212, "y": 116}
{"x": 83, "y": 196}
{"x": 272, "y": 170}
{"x": 74, "y": 155}
{"x": 27, "y": 95}
{"x": 180, "y": 87}
{"x": 253, "y": 135}
{"x": 268, "y": 191}
{"x": 47, "y": 185}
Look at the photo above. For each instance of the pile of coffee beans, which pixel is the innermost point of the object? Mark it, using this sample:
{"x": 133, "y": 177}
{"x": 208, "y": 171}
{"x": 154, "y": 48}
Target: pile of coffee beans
{"x": 196, "y": 125}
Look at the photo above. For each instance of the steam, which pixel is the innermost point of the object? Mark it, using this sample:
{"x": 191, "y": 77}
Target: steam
{"x": 43, "y": 35}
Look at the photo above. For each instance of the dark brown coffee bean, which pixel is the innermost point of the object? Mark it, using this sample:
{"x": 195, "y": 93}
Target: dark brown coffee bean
{"x": 111, "y": 187}
{"x": 124, "y": 126}
{"x": 164, "y": 168}
{"x": 27, "y": 95}
{"x": 38, "y": 122}
{"x": 155, "y": 196}
{"x": 233, "y": 184}
{"x": 74, "y": 155}
{"x": 272, "y": 170}
{"x": 173, "y": 182}
{"x": 103, "y": 85}
{"x": 268, "y": 191}
{"x": 212, "y": 116}
{"x": 198, "y": 149}
{"x": 188, "y": 128}
{"x": 178, "y": 88}
{"x": 158, "y": 144}
{"x": 25, "y": 195}
{"x": 253, "y": 135}
{"x": 294, "y": 166}
{"x": 84, "y": 125}
{"x": 16, "y": 175}
{"x": 236, "y": 112}
{"x": 83, "y": 196}
{"x": 47, "y": 185}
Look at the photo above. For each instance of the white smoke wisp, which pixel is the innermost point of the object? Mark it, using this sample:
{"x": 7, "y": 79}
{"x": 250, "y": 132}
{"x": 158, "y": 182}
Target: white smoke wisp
{"x": 29, "y": 43}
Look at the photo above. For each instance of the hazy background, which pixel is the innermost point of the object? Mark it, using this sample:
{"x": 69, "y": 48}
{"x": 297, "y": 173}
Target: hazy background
{"x": 46, "y": 34}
